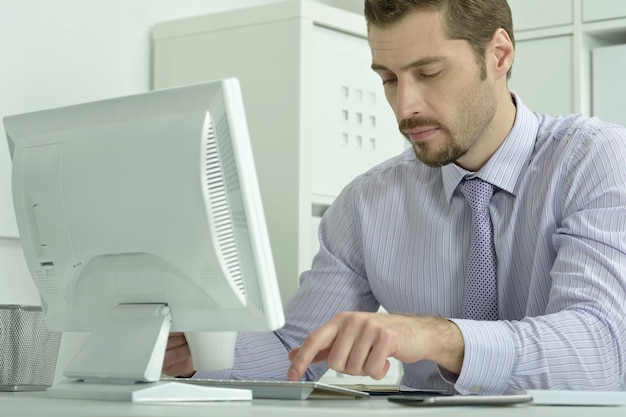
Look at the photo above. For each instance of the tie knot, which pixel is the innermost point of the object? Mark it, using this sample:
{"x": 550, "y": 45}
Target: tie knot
{"x": 477, "y": 192}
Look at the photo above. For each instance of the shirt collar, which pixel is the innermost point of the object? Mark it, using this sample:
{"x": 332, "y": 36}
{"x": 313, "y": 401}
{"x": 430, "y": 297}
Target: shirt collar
{"x": 505, "y": 166}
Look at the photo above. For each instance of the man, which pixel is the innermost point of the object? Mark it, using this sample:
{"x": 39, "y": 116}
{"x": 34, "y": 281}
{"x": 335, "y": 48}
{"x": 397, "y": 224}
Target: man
{"x": 402, "y": 236}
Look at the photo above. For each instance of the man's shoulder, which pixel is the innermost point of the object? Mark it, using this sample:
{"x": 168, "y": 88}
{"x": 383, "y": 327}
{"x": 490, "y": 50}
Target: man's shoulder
{"x": 577, "y": 127}
{"x": 395, "y": 170}
{"x": 581, "y": 146}
{"x": 401, "y": 175}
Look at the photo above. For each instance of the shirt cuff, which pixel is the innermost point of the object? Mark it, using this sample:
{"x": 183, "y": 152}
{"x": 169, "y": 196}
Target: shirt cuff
{"x": 488, "y": 357}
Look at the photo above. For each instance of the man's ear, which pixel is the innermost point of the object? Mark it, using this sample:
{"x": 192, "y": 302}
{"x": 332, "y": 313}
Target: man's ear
{"x": 502, "y": 50}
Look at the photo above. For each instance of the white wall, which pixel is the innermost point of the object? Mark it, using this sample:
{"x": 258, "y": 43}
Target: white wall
{"x": 61, "y": 52}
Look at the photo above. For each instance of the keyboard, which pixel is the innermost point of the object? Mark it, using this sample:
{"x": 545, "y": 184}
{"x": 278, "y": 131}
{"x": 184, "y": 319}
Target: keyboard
{"x": 284, "y": 390}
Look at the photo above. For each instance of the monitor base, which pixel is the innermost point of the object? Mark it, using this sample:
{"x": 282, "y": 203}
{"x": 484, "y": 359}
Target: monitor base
{"x": 145, "y": 392}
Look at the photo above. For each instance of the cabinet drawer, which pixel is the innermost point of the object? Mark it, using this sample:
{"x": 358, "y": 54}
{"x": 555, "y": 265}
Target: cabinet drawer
{"x": 608, "y": 85}
{"x": 353, "y": 127}
{"x": 543, "y": 74}
{"x": 537, "y": 14}
{"x": 603, "y": 9}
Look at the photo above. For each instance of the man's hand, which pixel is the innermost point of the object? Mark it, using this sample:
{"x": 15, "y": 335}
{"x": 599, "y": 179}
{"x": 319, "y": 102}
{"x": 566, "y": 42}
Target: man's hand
{"x": 358, "y": 343}
{"x": 177, "y": 360}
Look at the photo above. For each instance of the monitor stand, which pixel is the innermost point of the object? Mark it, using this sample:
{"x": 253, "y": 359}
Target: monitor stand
{"x": 145, "y": 392}
{"x": 122, "y": 361}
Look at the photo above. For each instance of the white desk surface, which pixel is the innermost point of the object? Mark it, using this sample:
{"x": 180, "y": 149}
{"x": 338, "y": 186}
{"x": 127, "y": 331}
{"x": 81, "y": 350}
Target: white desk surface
{"x": 36, "y": 404}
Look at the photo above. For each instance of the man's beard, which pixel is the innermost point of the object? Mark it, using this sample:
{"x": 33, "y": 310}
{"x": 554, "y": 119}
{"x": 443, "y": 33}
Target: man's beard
{"x": 450, "y": 151}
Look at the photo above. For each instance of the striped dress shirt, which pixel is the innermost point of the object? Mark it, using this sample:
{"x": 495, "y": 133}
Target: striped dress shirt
{"x": 398, "y": 236}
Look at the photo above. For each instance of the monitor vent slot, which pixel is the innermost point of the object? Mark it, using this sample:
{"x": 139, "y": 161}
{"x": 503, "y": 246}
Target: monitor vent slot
{"x": 220, "y": 207}
{"x": 11, "y": 145}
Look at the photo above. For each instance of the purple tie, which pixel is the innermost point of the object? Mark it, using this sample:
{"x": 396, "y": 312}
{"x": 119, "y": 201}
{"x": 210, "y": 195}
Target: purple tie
{"x": 481, "y": 291}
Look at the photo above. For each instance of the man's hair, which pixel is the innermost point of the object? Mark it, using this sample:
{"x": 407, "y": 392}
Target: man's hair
{"x": 474, "y": 21}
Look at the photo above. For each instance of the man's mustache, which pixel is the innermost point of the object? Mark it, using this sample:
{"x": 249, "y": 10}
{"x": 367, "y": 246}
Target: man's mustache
{"x": 413, "y": 122}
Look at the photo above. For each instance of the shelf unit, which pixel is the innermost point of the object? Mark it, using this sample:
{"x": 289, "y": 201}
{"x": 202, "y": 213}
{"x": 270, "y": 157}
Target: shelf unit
{"x": 554, "y": 53}
{"x": 317, "y": 114}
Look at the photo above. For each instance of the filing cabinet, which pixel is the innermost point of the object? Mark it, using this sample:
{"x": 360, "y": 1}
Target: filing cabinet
{"x": 317, "y": 114}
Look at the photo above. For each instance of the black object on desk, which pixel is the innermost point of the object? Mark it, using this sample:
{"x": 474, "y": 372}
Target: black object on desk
{"x": 448, "y": 400}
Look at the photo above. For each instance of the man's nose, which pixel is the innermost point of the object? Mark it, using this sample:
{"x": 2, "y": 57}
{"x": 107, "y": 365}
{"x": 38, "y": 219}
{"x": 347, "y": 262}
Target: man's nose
{"x": 409, "y": 100}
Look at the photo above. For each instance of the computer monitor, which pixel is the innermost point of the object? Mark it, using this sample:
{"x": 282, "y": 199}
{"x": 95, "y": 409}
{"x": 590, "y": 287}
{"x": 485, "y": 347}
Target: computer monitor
{"x": 138, "y": 216}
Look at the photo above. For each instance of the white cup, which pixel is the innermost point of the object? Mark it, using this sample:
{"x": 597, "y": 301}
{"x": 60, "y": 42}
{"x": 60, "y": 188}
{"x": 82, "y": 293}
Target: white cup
{"x": 212, "y": 350}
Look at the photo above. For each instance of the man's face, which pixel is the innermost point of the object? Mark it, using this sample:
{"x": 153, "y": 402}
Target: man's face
{"x": 435, "y": 87}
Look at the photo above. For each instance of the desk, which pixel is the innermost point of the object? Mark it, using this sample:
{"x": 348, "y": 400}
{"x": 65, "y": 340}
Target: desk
{"x": 29, "y": 404}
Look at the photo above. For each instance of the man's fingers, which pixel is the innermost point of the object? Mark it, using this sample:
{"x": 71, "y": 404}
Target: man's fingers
{"x": 352, "y": 345}
{"x": 314, "y": 349}
{"x": 321, "y": 356}
{"x": 177, "y": 360}
{"x": 176, "y": 340}
{"x": 367, "y": 347}
{"x": 377, "y": 364}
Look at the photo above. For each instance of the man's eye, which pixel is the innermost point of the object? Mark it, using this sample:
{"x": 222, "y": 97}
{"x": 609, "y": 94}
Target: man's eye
{"x": 430, "y": 75}
{"x": 390, "y": 80}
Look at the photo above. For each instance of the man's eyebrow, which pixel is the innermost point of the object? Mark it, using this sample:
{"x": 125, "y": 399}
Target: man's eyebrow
{"x": 419, "y": 63}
